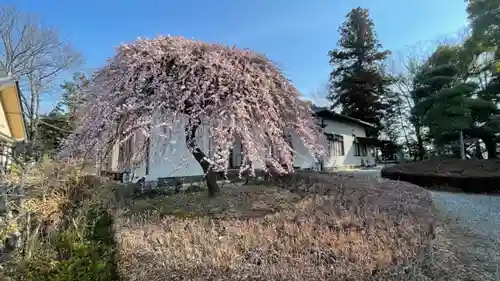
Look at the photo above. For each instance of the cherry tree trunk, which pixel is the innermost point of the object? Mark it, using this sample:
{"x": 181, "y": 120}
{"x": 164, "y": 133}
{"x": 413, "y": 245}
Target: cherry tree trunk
{"x": 210, "y": 174}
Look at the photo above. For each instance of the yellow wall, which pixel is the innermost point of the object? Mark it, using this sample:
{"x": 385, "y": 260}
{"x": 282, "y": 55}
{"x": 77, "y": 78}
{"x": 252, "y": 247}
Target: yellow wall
{"x": 4, "y": 125}
{"x": 12, "y": 112}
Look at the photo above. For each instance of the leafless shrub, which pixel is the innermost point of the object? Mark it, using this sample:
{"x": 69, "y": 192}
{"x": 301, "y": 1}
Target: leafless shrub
{"x": 47, "y": 197}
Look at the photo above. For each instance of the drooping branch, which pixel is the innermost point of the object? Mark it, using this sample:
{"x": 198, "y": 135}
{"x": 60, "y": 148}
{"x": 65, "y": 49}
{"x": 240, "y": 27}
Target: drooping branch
{"x": 168, "y": 82}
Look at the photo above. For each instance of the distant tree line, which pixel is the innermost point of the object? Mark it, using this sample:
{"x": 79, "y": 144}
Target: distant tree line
{"x": 428, "y": 96}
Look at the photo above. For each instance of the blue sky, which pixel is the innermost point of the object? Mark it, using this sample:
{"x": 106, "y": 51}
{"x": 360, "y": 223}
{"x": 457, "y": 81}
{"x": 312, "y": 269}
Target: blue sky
{"x": 296, "y": 34}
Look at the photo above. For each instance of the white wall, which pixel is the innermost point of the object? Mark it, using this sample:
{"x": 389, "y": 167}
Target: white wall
{"x": 305, "y": 160}
{"x": 169, "y": 156}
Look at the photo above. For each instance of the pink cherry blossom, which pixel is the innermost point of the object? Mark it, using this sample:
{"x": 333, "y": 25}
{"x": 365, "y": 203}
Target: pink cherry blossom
{"x": 158, "y": 83}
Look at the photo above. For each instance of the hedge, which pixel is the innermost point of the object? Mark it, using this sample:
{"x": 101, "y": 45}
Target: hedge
{"x": 476, "y": 176}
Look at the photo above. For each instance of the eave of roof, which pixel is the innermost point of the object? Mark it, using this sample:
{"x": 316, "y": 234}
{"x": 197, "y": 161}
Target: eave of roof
{"x": 14, "y": 111}
{"x": 7, "y": 80}
{"x": 328, "y": 114}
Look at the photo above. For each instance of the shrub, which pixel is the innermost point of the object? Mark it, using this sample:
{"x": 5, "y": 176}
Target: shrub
{"x": 70, "y": 259}
{"x": 475, "y": 176}
{"x": 65, "y": 223}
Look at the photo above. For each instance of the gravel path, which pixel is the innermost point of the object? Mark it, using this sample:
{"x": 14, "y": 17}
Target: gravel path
{"x": 478, "y": 213}
{"x": 475, "y": 212}
{"x": 473, "y": 222}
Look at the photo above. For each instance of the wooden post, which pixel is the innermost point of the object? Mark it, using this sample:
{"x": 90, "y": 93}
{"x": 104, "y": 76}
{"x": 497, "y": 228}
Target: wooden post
{"x": 3, "y": 199}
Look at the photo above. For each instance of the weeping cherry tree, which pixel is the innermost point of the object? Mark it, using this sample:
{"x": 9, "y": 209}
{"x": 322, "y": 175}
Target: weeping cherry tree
{"x": 169, "y": 82}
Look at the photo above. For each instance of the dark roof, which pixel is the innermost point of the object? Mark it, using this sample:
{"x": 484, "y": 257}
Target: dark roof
{"x": 328, "y": 114}
{"x": 369, "y": 141}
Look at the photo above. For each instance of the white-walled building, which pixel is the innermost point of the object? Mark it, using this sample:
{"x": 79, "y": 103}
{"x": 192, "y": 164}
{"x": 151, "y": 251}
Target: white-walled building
{"x": 169, "y": 158}
{"x": 346, "y": 141}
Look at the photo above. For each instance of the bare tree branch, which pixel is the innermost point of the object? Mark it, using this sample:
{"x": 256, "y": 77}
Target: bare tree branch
{"x": 36, "y": 54}
{"x": 55, "y": 127}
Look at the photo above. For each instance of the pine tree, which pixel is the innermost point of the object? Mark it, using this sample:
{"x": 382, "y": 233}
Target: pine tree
{"x": 448, "y": 103}
{"x": 393, "y": 119}
{"x": 484, "y": 17}
{"x": 56, "y": 125}
{"x": 357, "y": 82}
{"x": 73, "y": 96}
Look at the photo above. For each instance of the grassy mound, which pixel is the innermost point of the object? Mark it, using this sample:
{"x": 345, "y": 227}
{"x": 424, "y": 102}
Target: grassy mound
{"x": 305, "y": 227}
{"x": 475, "y": 176}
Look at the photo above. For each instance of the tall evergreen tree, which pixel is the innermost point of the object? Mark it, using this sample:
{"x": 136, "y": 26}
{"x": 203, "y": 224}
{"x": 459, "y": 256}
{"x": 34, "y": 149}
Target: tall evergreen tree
{"x": 357, "y": 82}
{"x": 484, "y": 17}
{"x": 448, "y": 102}
{"x": 73, "y": 96}
{"x": 393, "y": 123}
{"x": 54, "y": 127}
{"x": 60, "y": 122}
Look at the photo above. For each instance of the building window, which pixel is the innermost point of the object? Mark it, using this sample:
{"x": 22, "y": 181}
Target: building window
{"x": 125, "y": 155}
{"x": 289, "y": 140}
{"x": 359, "y": 149}
{"x": 335, "y": 145}
{"x": 236, "y": 155}
{"x": 5, "y": 154}
{"x": 210, "y": 147}
{"x": 239, "y": 155}
{"x": 147, "y": 152}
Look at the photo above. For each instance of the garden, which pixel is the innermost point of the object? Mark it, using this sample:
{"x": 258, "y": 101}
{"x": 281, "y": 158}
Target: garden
{"x": 300, "y": 226}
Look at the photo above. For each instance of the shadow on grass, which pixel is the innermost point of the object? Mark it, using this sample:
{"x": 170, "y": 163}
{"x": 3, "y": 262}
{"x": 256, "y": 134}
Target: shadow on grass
{"x": 239, "y": 201}
{"x": 102, "y": 233}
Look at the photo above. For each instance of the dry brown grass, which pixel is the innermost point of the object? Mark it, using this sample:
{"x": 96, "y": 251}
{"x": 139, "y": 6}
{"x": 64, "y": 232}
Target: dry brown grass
{"x": 328, "y": 228}
{"x": 44, "y": 198}
{"x": 55, "y": 224}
